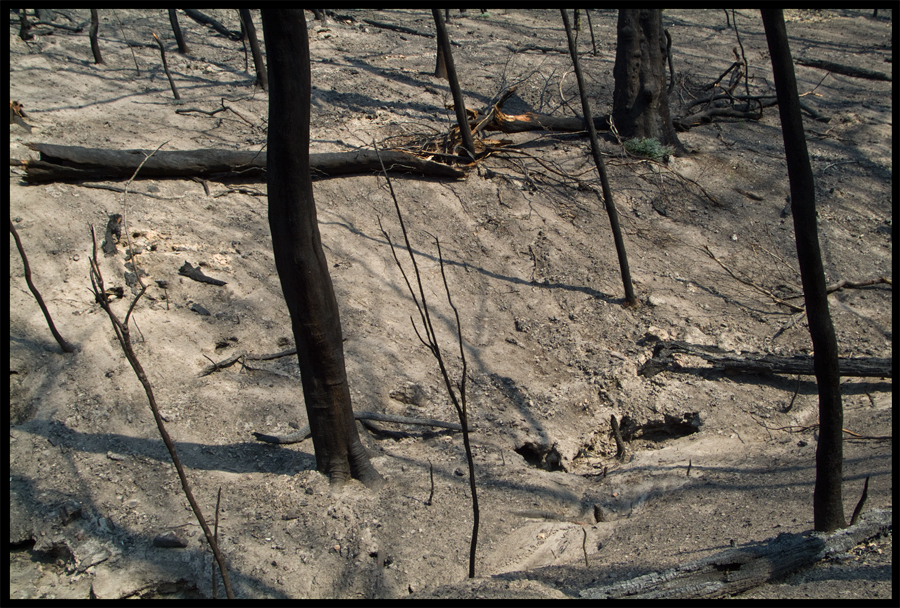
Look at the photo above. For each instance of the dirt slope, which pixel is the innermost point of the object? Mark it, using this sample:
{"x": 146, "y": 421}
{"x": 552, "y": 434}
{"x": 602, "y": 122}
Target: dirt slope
{"x": 552, "y": 354}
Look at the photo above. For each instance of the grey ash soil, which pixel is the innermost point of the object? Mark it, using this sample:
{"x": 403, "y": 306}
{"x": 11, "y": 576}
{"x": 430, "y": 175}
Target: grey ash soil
{"x": 552, "y": 353}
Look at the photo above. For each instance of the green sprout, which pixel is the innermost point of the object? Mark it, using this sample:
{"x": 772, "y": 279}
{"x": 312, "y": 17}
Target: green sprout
{"x": 648, "y": 147}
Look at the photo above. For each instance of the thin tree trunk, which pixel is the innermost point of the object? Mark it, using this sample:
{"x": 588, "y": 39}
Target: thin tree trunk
{"x": 95, "y": 44}
{"x": 440, "y": 68}
{"x": 261, "y": 77}
{"x": 300, "y": 260}
{"x": 176, "y": 29}
{"x": 630, "y": 299}
{"x": 458, "y": 102}
{"x": 828, "y": 508}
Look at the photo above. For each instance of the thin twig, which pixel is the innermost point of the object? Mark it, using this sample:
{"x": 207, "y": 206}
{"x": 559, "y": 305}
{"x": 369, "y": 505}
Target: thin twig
{"x": 750, "y": 283}
{"x": 63, "y": 344}
{"x": 133, "y": 56}
{"x": 430, "y": 341}
{"x": 124, "y": 337}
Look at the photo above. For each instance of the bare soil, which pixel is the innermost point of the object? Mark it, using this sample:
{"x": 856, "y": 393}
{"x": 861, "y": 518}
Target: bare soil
{"x": 551, "y": 351}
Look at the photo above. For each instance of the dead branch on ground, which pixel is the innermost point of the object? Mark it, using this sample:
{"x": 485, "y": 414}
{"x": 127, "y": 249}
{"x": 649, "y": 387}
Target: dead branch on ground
{"x": 762, "y": 290}
{"x": 846, "y": 70}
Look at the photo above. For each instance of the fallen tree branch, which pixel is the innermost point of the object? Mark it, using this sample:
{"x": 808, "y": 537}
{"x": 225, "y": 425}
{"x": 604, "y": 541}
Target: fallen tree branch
{"x": 398, "y": 28}
{"x": 840, "y": 285}
{"x": 77, "y": 163}
{"x": 846, "y": 70}
{"x": 755, "y": 363}
{"x": 529, "y": 121}
{"x": 763, "y": 290}
{"x": 736, "y": 570}
{"x": 305, "y": 432}
{"x": 247, "y": 357}
{"x": 209, "y": 21}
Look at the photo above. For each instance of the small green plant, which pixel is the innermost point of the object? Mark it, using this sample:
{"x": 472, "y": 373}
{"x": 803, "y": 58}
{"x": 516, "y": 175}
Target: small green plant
{"x": 648, "y": 147}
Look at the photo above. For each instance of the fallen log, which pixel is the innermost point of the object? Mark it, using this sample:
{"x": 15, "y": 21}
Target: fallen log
{"x": 509, "y": 123}
{"x": 755, "y": 363}
{"x": 846, "y": 70}
{"x": 736, "y": 570}
{"x": 58, "y": 163}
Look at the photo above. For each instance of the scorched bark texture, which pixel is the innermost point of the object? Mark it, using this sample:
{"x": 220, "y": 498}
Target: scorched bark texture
{"x": 299, "y": 257}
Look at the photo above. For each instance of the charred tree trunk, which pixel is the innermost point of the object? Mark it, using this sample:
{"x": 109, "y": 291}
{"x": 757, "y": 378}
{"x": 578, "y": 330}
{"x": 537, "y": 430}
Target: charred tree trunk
{"x": 440, "y": 68}
{"x": 300, "y": 260}
{"x": 828, "y": 508}
{"x": 176, "y": 29}
{"x": 247, "y": 21}
{"x": 630, "y": 299}
{"x": 640, "y": 100}
{"x": 95, "y": 44}
{"x": 458, "y": 102}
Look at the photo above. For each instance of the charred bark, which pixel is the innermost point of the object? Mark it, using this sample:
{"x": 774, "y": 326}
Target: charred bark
{"x": 176, "y": 29}
{"x": 458, "y": 103}
{"x": 95, "y": 44}
{"x": 757, "y": 363}
{"x": 735, "y": 570}
{"x": 640, "y": 99}
{"x": 76, "y": 163}
{"x": 247, "y": 21}
{"x": 630, "y": 299}
{"x": 300, "y": 259}
{"x": 828, "y": 507}
{"x": 516, "y": 123}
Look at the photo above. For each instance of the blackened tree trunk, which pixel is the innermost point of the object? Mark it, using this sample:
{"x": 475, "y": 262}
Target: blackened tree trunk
{"x": 828, "y": 508}
{"x": 630, "y": 299}
{"x": 247, "y": 22}
{"x": 176, "y": 29}
{"x": 299, "y": 257}
{"x": 95, "y": 28}
{"x": 458, "y": 103}
{"x": 640, "y": 99}
{"x": 440, "y": 68}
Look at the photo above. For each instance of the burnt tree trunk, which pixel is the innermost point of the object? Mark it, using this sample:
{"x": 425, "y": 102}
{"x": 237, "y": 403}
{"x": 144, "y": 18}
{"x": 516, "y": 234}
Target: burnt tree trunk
{"x": 640, "y": 99}
{"x": 176, "y": 29}
{"x": 247, "y": 21}
{"x": 95, "y": 28}
{"x": 440, "y": 68}
{"x": 828, "y": 508}
{"x": 630, "y": 299}
{"x": 300, "y": 260}
{"x": 458, "y": 102}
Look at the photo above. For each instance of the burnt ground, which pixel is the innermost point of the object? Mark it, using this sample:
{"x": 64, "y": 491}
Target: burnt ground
{"x": 551, "y": 351}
